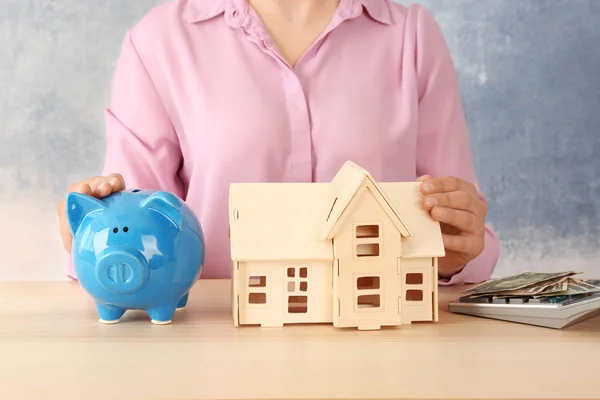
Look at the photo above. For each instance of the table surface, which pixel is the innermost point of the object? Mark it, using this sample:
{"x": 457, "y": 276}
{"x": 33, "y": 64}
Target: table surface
{"x": 52, "y": 347}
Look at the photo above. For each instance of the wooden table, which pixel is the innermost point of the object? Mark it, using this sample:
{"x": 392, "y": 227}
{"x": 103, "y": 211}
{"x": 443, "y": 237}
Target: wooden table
{"x": 51, "y": 347}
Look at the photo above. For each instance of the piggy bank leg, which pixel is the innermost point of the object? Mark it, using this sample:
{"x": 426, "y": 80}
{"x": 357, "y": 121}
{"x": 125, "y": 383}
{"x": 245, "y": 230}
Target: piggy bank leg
{"x": 109, "y": 314}
{"x": 161, "y": 315}
{"x": 183, "y": 302}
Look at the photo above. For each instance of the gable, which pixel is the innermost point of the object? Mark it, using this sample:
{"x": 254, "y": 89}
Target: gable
{"x": 349, "y": 181}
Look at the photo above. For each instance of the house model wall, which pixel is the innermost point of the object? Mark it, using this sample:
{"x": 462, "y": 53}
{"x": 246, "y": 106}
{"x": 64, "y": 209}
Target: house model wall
{"x": 352, "y": 252}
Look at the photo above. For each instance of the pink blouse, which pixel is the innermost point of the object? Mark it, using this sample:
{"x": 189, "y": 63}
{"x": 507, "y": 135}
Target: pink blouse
{"x": 202, "y": 98}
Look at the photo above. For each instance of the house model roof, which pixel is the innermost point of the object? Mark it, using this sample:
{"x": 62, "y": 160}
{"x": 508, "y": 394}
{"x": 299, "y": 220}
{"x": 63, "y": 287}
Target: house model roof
{"x": 298, "y": 221}
{"x": 346, "y": 184}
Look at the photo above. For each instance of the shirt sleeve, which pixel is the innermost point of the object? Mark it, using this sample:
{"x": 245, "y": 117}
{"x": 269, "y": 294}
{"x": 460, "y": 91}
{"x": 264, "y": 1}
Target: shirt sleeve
{"x": 443, "y": 147}
{"x": 141, "y": 143}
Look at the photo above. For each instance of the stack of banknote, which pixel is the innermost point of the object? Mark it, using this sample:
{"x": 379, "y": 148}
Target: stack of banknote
{"x": 535, "y": 285}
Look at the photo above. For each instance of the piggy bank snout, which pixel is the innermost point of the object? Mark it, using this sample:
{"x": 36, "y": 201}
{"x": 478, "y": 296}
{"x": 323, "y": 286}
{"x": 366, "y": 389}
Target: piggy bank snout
{"x": 121, "y": 270}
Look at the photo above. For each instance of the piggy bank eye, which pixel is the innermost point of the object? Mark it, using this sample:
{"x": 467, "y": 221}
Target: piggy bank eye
{"x": 116, "y": 230}
{"x": 125, "y": 229}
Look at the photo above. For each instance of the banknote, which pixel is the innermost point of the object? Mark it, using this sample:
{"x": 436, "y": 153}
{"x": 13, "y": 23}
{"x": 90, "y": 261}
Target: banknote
{"x": 549, "y": 286}
{"x": 574, "y": 287}
{"x": 555, "y": 287}
{"x": 529, "y": 291}
{"x": 520, "y": 281}
{"x": 566, "y": 284}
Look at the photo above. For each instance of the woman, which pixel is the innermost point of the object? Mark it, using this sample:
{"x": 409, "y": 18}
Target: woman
{"x": 208, "y": 92}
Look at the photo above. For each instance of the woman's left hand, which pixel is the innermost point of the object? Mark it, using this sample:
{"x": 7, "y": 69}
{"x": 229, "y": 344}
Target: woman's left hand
{"x": 461, "y": 213}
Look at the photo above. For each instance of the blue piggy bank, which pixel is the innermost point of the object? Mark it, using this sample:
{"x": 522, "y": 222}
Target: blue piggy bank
{"x": 135, "y": 249}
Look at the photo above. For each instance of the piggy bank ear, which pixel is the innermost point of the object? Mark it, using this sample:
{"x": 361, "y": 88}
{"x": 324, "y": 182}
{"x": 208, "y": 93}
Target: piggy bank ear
{"x": 78, "y": 206}
{"x": 167, "y": 204}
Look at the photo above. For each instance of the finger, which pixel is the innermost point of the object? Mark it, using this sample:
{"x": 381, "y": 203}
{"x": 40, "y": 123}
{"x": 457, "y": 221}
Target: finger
{"x": 459, "y": 200}
{"x": 117, "y": 181}
{"x": 463, "y": 220}
{"x": 81, "y": 187}
{"x": 424, "y": 178}
{"x": 99, "y": 186}
{"x": 463, "y": 244}
{"x": 446, "y": 184}
{"x": 106, "y": 185}
{"x": 103, "y": 188}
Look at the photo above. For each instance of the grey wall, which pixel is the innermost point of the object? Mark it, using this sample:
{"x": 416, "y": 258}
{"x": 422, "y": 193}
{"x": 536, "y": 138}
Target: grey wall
{"x": 529, "y": 76}
{"x": 529, "y": 72}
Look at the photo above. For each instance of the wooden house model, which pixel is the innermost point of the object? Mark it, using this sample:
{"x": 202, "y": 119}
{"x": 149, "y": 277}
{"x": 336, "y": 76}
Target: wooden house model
{"x": 351, "y": 252}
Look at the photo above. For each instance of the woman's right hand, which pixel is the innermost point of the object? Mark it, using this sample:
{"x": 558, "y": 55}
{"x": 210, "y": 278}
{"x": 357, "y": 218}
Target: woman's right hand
{"x": 99, "y": 187}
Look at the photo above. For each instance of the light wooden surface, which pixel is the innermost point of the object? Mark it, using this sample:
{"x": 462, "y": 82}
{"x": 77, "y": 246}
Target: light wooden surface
{"x": 51, "y": 347}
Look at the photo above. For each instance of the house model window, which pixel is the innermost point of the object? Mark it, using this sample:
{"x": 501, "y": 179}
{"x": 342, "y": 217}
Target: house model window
{"x": 352, "y": 252}
{"x": 257, "y": 293}
{"x": 297, "y": 286}
{"x": 414, "y": 286}
{"x": 368, "y": 240}
{"x": 368, "y": 293}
